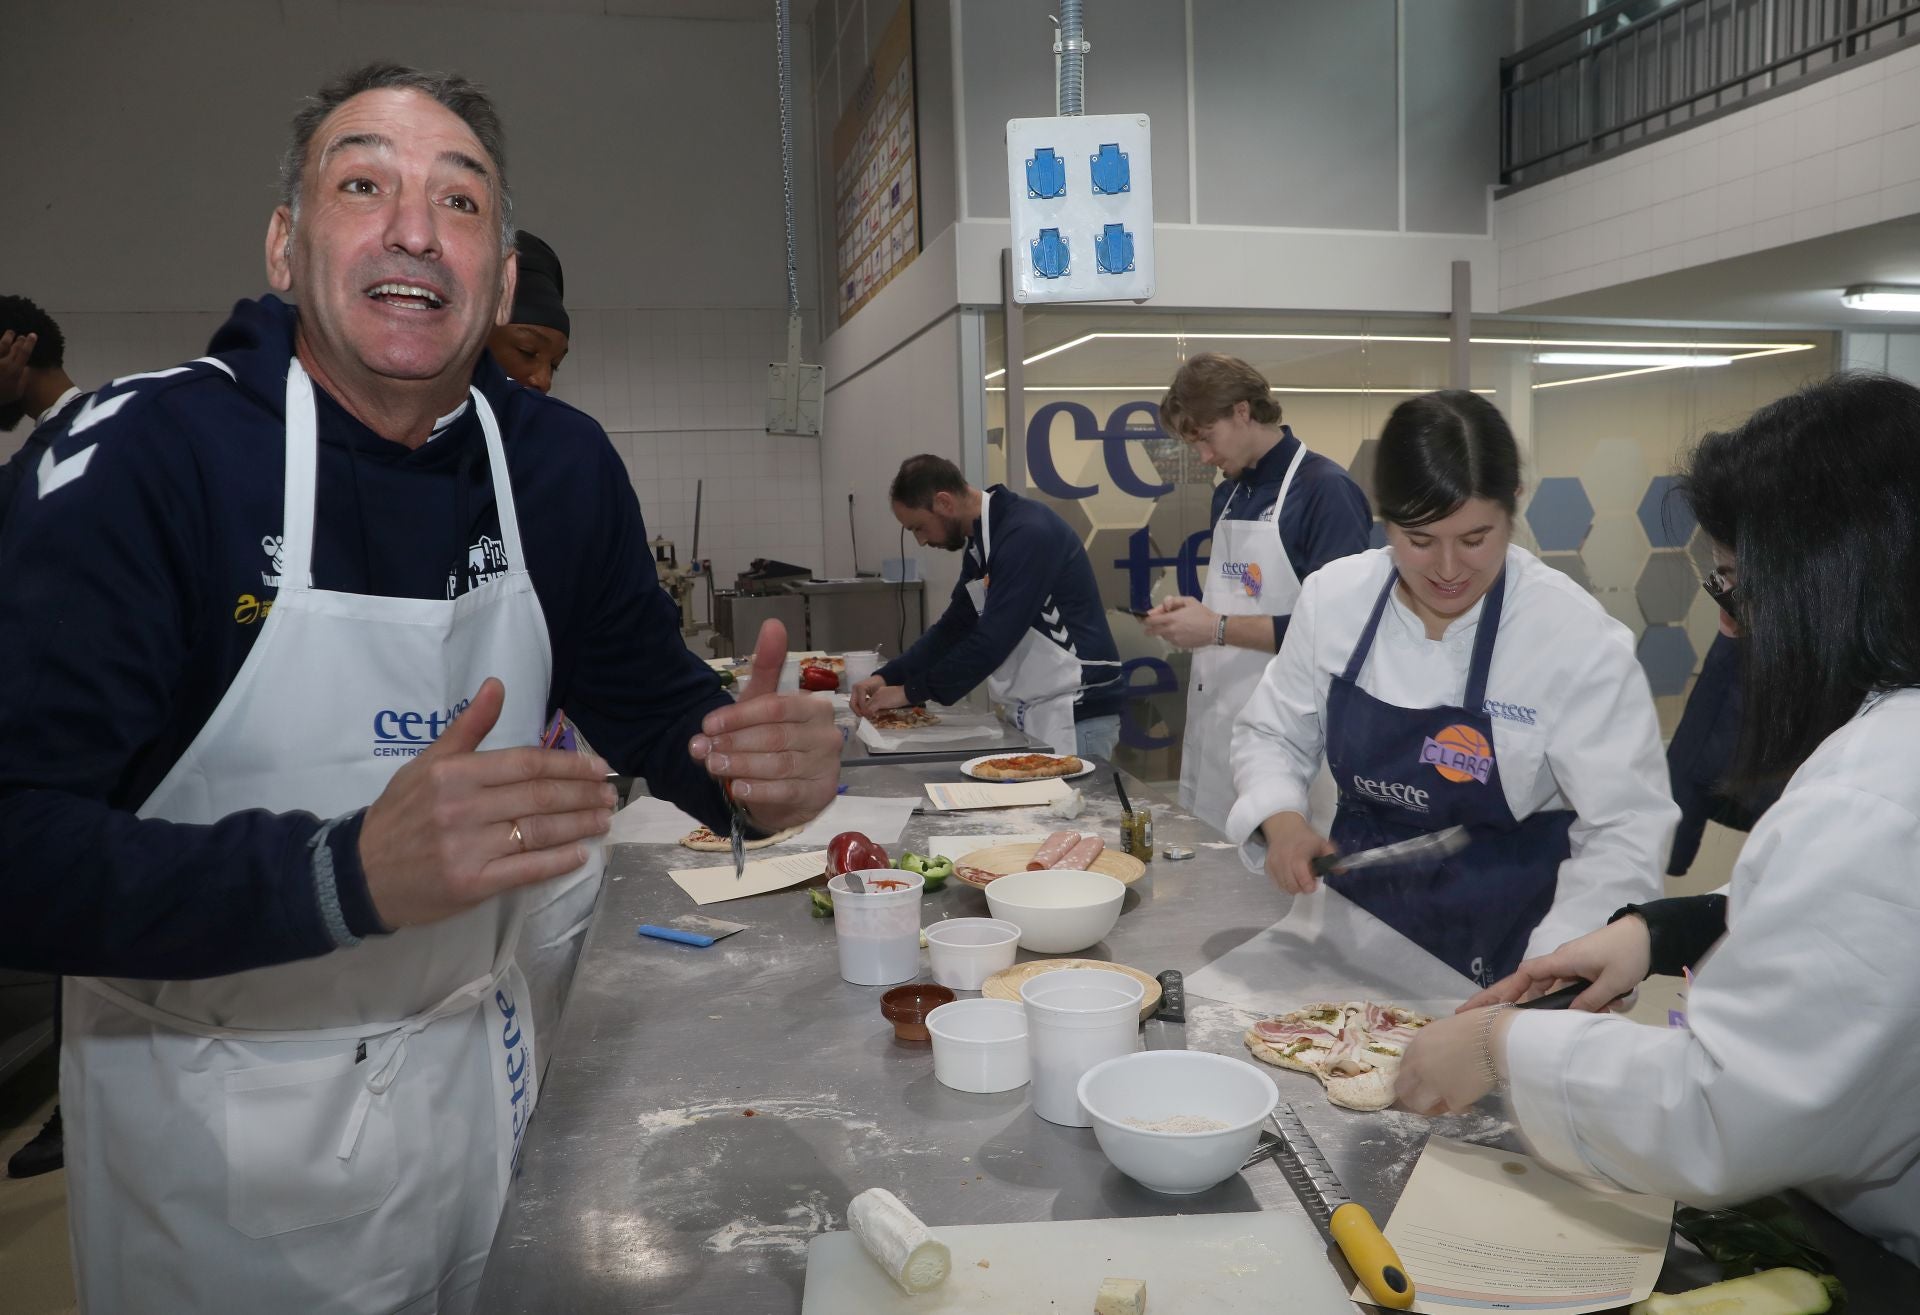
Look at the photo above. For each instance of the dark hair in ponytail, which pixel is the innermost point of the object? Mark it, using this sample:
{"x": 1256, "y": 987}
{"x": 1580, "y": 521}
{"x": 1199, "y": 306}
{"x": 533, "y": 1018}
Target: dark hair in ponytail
{"x": 1440, "y": 449}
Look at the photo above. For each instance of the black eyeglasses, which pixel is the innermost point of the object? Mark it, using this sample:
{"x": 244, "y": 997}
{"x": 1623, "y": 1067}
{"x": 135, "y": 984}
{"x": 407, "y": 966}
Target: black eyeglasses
{"x": 1720, "y": 589}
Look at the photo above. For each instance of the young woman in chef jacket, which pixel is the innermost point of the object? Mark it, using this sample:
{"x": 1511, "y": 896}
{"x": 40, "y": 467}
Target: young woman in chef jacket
{"x": 1453, "y": 679}
{"x": 1800, "y": 1060}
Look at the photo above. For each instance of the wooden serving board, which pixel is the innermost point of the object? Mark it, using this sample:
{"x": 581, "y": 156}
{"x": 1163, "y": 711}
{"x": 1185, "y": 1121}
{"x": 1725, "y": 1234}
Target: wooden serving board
{"x": 1005, "y": 984}
{"x": 1004, "y": 860}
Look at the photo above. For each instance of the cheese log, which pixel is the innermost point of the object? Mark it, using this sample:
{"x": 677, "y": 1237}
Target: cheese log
{"x": 898, "y": 1242}
{"x": 1083, "y": 855}
{"x": 1054, "y": 848}
{"x": 1120, "y": 1296}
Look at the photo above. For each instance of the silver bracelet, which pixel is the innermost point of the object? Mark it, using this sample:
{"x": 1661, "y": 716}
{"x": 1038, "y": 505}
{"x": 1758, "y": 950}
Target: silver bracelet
{"x": 1220, "y": 634}
{"x": 1488, "y": 1068}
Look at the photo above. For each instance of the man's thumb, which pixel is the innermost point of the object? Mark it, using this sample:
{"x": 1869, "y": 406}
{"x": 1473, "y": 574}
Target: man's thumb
{"x": 474, "y": 723}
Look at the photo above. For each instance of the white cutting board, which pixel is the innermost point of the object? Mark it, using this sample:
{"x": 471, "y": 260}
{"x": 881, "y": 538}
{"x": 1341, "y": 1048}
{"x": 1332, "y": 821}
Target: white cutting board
{"x": 1262, "y": 1261}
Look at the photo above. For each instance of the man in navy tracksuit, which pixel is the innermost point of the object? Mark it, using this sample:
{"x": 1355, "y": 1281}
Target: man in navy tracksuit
{"x": 1025, "y": 618}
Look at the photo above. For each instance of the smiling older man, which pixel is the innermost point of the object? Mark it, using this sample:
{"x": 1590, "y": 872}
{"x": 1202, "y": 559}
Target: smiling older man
{"x": 296, "y": 614}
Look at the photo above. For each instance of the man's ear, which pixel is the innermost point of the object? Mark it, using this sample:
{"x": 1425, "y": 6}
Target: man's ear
{"x": 280, "y": 249}
{"x": 944, "y": 504}
{"x": 509, "y": 281}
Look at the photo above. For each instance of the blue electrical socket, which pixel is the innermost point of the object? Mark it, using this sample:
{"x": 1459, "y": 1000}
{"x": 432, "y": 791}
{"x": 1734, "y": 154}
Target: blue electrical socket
{"x": 1051, "y": 259}
{"x": 1046, "y": 174}
{"x": 1111, "y": 175}
{"x": 1113, "y": 249}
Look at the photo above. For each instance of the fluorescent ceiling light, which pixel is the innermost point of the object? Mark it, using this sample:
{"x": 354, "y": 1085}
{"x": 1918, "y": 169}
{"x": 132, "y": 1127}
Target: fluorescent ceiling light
{"x": 1671, "y": 359}
{"x": 1882, "y": 296}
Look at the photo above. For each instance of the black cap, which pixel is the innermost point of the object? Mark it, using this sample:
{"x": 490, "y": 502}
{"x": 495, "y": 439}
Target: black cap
{"x": 537, "y": 299}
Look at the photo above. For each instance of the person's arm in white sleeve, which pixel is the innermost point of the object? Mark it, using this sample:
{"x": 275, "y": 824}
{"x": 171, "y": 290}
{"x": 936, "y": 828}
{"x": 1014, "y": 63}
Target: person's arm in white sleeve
{"x": 1803, "y": 1012}
{"x": 1606, "y": 758}
{"x": 1277, "y": 738}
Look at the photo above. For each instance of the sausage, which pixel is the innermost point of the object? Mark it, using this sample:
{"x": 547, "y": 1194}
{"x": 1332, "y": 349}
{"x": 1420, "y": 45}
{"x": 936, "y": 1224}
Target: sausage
{"x": 1082, "y": 856}
{"x": 1054, "y": 848}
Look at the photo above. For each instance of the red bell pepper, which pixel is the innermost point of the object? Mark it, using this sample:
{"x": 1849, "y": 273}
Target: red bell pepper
{"x": 819, "y": 679}
{"x": 851, "y": 851}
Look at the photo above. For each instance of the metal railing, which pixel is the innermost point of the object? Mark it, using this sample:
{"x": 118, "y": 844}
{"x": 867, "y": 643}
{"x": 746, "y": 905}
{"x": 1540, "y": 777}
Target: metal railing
{"x": 1636, "y": 69}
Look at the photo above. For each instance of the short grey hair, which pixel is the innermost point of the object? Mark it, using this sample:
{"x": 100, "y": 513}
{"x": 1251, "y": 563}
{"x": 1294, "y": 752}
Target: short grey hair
{"x": 464, "y": 98}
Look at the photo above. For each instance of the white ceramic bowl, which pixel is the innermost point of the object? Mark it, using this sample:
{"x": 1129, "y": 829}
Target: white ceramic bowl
{"x": 1058, "y": 911}
{"x": 980, "y": 1045}
{"x": 965, "y": 952}
{"x": 1155, "y": 1086}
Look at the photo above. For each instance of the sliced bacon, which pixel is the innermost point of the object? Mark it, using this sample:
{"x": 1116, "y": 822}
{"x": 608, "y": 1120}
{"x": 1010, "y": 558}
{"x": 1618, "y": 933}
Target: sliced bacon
{"x": 1082, "y": 856}
{"x": 1276, "y": 1029}
{"x": 977, "y": 876}
{"x": 1054, "y": 848}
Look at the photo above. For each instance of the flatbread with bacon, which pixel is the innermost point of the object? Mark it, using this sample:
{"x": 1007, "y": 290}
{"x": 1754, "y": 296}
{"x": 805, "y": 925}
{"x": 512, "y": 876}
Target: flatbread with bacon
{"x": 706, "y": 842}
{"x": 1354, "y": 1048}
{"x": 903, "y": 719}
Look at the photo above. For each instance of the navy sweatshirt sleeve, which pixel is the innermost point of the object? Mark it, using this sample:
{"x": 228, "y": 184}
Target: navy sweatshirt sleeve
{"x": 1018, "y": 589}
{"x": 954, "y": 624}
{"x": 95, "y": 616}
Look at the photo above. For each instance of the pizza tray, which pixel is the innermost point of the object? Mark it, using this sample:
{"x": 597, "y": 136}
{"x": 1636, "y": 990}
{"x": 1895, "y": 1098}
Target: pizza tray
{"x": 1003, "y": 860}
{"x": 971, "y": 763}
{"x": 1005, "y": 984}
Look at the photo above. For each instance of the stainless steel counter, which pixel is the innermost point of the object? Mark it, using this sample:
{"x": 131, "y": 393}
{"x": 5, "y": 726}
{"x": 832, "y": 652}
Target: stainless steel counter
{"x": 708, "y": 1111}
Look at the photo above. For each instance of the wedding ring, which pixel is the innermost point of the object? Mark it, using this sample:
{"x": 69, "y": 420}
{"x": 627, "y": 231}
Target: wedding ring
{"x": 519, "y": 840}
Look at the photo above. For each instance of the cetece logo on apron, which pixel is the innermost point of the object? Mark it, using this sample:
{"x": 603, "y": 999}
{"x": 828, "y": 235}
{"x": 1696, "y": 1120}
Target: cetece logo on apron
{"x": 1247, "y": 573}
{"x": 401, "y": 733}
{"x": 1459, "y": 754}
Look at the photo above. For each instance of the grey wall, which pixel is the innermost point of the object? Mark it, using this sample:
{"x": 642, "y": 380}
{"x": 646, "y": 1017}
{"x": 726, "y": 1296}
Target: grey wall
{"x": 646, "y": 150}
{"x": 1452, "y": 120}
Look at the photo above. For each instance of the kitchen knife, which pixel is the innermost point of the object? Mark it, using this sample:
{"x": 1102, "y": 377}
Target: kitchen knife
{"x": 1560, "y": 999}
{"x": 1166, "y": 1026}
{"x": 1361, "y": 1241}
{"x": 737, "y": 835}
{"x": 1431, "y": 848}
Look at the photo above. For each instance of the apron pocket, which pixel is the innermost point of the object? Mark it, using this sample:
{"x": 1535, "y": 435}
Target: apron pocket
{"x": 284, "y": 1125}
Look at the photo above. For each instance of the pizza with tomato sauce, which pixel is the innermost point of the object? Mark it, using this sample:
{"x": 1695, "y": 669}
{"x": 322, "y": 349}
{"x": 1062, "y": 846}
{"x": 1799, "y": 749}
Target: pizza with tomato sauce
{"x": 1027, "y": 767}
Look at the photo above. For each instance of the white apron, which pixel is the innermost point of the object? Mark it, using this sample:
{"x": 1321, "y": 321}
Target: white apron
{"x": 335, "y": 1134}
{"x": 1248, "y": 574}
{"x": 1037, "y": 684}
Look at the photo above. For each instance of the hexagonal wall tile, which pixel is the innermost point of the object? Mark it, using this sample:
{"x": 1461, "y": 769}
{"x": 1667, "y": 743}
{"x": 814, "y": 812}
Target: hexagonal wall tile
{"x": 1362, "y": 466}
{"x": 1623, "y": 607}
{"x": 1666, "y": 588}
{"x": 1703, "y": 622}
{"x": 1614, "y": 474}
{"x": 1700, "y": 548}
{"x": 1667, "y": 655}
{"x": 1570, "y": 565}
{"x": 1664, "y": 514}
{"x": 1560, "y": 514}
{"x": 1615, "y": 551}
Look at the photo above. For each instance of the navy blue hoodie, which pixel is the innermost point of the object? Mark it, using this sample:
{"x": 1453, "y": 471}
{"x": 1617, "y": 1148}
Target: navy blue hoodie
{"x": 133, "y": 585}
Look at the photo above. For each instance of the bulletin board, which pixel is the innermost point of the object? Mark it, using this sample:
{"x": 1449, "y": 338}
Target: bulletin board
{"x": 876, "y": 172}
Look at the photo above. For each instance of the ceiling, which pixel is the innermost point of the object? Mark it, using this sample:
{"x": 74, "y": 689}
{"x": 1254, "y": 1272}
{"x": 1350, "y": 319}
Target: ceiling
{"x": 1797, "y": 284}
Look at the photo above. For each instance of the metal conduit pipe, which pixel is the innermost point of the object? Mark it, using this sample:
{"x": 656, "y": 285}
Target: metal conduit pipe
{"x": 1070, "y": 60}
{"x": 783, "y": 35}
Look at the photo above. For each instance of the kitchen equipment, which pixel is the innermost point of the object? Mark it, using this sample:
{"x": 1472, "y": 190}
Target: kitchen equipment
{"x": 1166, "y": 1026}
{"x": 1006, "y": 985}
{"x": 1058, "y": 911}
{"x": 1430, "y": 848}
{"x": 877, "y": 927}
{"x": 736, "y": 834}
{"x": 690, "y": 929}
{"x": 1261, "y": 1262}
{"x": 1348, "y": 1223}
{"x": 1004, "y": 859}
{"x": 1075, "y": 1020}
{"x": 907, "y": 1007}
{"x": 1136, "y": 828}
{"x": 980, "y": 1045}
{"x": 860, "y": 665}
{"x": 1167, "y": 1087}
{"x": 964, "y": 952}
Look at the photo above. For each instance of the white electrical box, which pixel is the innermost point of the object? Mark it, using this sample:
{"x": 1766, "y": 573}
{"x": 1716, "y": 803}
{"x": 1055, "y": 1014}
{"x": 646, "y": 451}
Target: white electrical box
{"x": 1080, "y": 190}
{"x": 794, "y": 396}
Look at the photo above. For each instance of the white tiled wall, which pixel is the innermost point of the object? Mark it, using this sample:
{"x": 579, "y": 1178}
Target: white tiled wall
{"x": 682, "y": 393}
{"x": 1839, "y": 153}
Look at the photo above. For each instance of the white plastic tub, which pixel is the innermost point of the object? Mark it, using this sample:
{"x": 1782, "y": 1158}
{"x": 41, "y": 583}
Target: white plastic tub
{"x": 980, "y": 1045}
{"x": 966, "y": 951}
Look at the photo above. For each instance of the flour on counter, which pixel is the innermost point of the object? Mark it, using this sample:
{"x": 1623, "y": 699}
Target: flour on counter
{"x": 803, "y": 1221}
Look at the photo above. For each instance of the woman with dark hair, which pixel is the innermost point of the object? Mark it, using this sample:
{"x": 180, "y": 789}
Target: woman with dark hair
{"x": 1453, "y": 679}
{"x": 1801, "y": 1056}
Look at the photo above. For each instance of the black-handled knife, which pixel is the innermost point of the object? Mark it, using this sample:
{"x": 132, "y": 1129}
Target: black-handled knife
{"x": 1431, "y": 847}
{"x": 1166, "y": 1026}
{"x": 1560, "y": 999}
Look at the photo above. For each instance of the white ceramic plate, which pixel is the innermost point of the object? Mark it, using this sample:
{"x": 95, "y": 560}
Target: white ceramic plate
{"x": 971, "y": 763}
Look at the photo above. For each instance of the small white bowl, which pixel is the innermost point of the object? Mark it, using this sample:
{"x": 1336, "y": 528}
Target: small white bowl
{"x": 1155, "y": 1086}
{"x": 966, "y": 951}
{"x": 980, "y": 1045}
{"x": 1058, "y": 911}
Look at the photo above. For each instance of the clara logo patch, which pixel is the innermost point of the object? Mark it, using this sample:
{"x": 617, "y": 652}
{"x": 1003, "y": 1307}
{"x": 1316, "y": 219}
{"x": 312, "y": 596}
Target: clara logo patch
{"x": 1459, "y": 753}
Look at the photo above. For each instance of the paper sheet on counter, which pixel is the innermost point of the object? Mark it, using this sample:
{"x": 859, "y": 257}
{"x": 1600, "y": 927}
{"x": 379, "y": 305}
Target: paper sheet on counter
{"x": 954, "y": 729}
{"x": 1480, "y": 1228}
{"x": 649, "y": 821}
{"x": 880, "y": 819}
{"x": 952, "y": 796}
{"x": 958, "y": 847}
{"x": 717, "y": 885}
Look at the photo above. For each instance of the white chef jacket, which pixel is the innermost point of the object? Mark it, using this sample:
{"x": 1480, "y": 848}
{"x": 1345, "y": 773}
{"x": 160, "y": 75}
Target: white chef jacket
{"x": 1573, "y": 722}
{"x": 1800, "y": 1062}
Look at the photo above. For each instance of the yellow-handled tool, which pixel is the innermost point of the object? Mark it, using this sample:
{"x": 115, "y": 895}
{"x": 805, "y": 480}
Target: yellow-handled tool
{"x": 1361, "y": 1241}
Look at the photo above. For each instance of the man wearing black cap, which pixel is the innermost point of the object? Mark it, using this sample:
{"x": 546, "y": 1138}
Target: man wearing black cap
{"x": 532, "y": 344}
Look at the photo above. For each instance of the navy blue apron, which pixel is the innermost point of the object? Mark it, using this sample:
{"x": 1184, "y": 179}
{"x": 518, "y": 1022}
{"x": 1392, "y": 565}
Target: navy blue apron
{"x": 1404, "y": 772}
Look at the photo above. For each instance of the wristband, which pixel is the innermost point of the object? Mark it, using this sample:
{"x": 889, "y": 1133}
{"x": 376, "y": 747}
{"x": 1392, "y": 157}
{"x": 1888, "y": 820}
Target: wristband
{"x": 1220, "y": 634}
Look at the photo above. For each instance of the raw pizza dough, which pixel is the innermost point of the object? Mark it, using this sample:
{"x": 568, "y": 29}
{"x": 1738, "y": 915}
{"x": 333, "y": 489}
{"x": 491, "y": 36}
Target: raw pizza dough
{"x": 706, "y": 842}
{"x": 1027, "y": 767}
{"x": 903, "y": 719}
{"x": 1353, "y": 1048}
